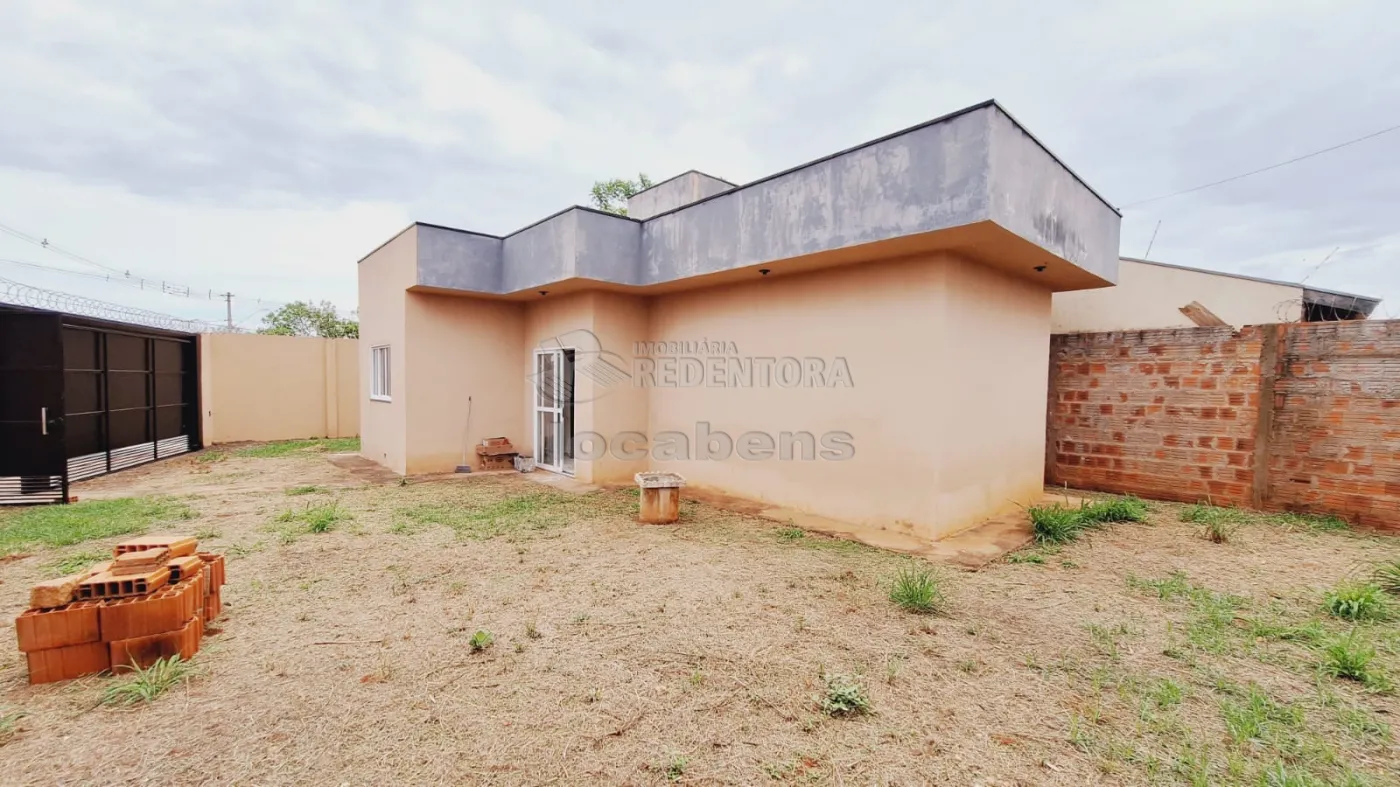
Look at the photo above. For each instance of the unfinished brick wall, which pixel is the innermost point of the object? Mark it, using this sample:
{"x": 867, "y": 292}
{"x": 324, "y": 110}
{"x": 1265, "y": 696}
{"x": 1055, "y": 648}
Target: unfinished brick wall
{"x": 1334, "y": 445}
{"x": 1179, "y": 414}
{"x": 1167, "y": 414}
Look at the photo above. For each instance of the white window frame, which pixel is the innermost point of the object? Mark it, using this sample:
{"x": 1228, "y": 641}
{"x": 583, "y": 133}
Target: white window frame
{"x": 380, "y": 381}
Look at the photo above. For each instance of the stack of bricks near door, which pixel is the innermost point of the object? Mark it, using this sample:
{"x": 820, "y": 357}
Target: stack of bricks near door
{"x": 151, "y": 601}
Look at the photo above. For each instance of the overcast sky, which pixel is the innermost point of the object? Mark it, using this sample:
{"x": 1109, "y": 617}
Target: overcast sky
{"x": 263, "y": 146}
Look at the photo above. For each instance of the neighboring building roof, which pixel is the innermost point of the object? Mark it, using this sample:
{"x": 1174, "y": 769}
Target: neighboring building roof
{"x": 976, "y": 166}
{"x": 1334, "y": 299}
{"x": 660, "y": 183}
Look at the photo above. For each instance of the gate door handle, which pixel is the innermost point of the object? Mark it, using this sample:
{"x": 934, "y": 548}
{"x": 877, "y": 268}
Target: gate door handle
{"x": 43, "y": 420}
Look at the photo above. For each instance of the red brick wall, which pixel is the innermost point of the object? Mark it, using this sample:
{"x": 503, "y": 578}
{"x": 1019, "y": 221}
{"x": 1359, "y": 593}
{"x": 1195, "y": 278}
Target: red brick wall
{"x": 1175, "y": 415}
{"x": 1166, "y": 414}
{"x": 1335, "y": 443}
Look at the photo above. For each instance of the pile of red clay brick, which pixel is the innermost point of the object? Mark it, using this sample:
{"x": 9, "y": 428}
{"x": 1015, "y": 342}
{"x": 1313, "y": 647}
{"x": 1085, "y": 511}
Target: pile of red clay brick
{"x": 151, "y": 601}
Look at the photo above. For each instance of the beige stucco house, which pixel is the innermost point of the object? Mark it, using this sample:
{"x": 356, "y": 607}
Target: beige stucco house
{"x": 863, "y": 337}
{"x": 1150, "y": 295}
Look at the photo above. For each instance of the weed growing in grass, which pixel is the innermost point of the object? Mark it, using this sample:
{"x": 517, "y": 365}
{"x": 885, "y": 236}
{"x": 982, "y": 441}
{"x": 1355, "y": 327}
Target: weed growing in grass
{"x": 917, "y": 590}
{"x": 58, "y": 526}
{"x": 1176, "y": 584}
{"x": 1117, "y": 509}
{"x": 1166, "y": 692}
{"x": 311, "y": 519}
{"x": 1352, "y": 658}
{"x": 480, "y": 641}
{"x": 532, "y": 631}
{"x": 1257, "y": 717}
{"x": 211, "y": 456}
{"x": 1357, "y": 601}
{"x": 9, "y": 723}
{"x": 78, "y": 561}
{"x": 844, "y": 696}
{"x": 1387, "y": 577}
{"x": 1309, "y": 632}
{"x": 1315, "y": 523}
{"x": 338, "y": 445}
{"x": 1026, "y": 557}
{"x": 311, "y": 489}
{"x": 1218, "y": 524}
{"x": 1361, "y": 723}
{"x": 533, "y": 511}
{"x": 1054, "y": 524}
{"x": 675, "y": 766}
{"x": 790, "y": 533}
{"x": 145, "y": 685}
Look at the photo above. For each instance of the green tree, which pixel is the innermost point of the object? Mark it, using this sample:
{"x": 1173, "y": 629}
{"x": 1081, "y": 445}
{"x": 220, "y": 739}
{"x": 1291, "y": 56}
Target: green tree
{"x": 304, "y": 318}
{"x": 611, "y": 195}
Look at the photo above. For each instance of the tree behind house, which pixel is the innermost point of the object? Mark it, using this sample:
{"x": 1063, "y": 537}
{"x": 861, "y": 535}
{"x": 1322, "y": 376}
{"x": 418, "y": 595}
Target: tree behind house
{"x": 303, "y": 318}
{"x": 611, "y": 195}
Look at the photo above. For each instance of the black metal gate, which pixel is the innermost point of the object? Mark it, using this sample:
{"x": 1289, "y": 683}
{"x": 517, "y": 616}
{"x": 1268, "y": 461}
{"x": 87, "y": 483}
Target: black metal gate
{"x": 80, "y": 397}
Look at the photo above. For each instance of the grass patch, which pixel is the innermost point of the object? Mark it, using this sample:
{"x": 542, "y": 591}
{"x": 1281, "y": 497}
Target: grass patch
{"x": 211, "y": 456}
{"x": 1026, "y": 557}
{"x": 1257, "y": 718}
{"x": 78, "y": 561}
{"x": 1210, "y": 624}
{"x": 311, "y": 519}
{"x": 1351, "y": 658}
{"x": 522, "y": 513}
{"x": 1117, "y": 509}
{"x": 917, "y": 590}
{"x": 1314, "y": 523}
{"x": 1357, "y": 601}
{"x": 310, "y": 489}
{"x": 335, "y": 445}
{"x": 844, "y": 696}
{"x": 65, "y": 525}
{"x": 1057, "y": 524}
{"x": 1387, "y": 577}
{"x": 1218, "y": 524}
{"x": 1166, "y": 693}
{"x": 145, "y": 685}
{"x": 9, "y": 724}
{"x": 790, "y": 534}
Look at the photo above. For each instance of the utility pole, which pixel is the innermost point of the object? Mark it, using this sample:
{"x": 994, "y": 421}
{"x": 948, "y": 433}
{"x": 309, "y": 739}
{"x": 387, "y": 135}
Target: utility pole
{"x": 228, "y": 302}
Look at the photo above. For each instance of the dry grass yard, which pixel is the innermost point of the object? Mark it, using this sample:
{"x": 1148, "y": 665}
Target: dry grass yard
{"x": 493, "y": 630}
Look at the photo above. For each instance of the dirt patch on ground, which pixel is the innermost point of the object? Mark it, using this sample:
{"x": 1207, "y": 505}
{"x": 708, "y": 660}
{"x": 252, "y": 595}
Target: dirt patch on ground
{"x": 628, "y": 654}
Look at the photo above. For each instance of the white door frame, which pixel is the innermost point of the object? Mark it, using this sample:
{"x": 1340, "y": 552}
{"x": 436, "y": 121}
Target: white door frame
{"x": 557, "y": 411}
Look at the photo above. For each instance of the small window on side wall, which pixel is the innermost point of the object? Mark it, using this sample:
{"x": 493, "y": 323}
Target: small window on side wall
{"x": 379, "y": 388}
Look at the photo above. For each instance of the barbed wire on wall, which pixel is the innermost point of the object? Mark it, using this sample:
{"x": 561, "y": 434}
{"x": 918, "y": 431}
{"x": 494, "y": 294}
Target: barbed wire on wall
{"x": 19, "y": 294}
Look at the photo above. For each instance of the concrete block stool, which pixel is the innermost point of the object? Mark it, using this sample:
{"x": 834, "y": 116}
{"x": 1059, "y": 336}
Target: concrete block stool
{"x": 661, "y": 497}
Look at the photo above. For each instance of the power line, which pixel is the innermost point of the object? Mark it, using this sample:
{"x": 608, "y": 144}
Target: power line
{"x": 144, "y": 283}
{"x": 1241, "y": 176}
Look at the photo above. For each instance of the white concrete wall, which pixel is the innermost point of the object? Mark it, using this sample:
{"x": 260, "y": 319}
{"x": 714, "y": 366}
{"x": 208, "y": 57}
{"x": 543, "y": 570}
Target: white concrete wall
{"x": 1150, "y": 296}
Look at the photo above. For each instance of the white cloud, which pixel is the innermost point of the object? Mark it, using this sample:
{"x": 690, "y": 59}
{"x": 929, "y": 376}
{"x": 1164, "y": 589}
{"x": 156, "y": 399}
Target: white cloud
{"x": 264, "y": 146}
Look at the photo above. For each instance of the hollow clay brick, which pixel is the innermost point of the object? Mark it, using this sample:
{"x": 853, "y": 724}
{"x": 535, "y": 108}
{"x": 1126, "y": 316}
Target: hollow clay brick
{"x": 74, "y": 661}
{"x": 165, "y": 610}
{"x": 213, "y": 606}
{"x": 145, "y": 651}
{"x": 178, "y": 545}
{"x": 71, "y": 624}
{"x": 107, "y": 585}
{"x": 182, "y": 567}
{"x": 141, "y": 562}
{"x": 216, "y": 562}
